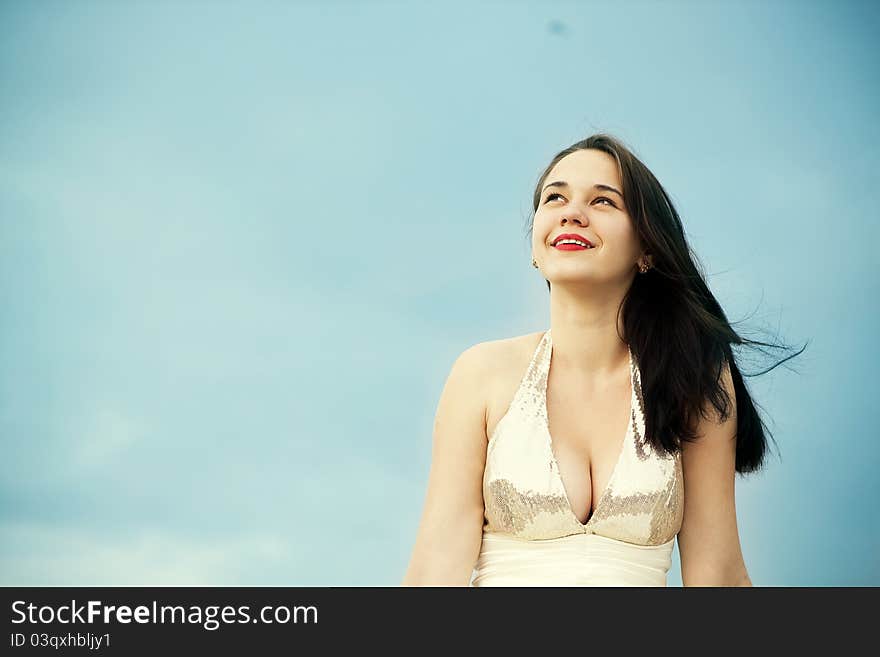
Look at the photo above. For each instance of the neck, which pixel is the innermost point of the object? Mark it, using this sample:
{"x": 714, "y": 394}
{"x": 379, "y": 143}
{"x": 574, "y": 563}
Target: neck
{"x": 586, "y": 331}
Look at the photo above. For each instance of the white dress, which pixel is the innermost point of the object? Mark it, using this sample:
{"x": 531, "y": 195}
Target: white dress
{"x": 531, "y": 536}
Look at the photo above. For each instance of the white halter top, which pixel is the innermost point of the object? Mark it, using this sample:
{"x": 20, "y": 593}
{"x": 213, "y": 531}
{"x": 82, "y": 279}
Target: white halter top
{"x": 531, "y": 535}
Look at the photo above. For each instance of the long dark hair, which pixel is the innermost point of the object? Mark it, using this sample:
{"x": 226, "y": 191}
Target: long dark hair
{"x": 672, "y": 322}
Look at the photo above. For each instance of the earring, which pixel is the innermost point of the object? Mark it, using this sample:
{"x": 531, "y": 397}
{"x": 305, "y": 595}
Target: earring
{"x": 534, "y": 263}
{"x": 643, "y": 267}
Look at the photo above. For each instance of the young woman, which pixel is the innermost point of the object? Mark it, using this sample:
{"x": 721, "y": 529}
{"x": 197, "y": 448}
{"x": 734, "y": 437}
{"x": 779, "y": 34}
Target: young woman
{"x": 577, "y": 455}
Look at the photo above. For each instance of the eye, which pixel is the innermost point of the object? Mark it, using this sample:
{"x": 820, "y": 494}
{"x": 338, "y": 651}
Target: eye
{"x": 601, "y": 198}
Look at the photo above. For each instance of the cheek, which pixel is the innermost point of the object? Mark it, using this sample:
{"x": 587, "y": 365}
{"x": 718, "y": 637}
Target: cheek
{"x": 619, "y": 232}
{"x": 628, "y": 247}
{"x": 542, "y": 223}
{"x": 540, "y": 235}
{"x": 537, "y": 240}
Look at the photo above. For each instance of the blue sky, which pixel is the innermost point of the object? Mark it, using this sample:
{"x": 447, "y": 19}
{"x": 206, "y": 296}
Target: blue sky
{"x": 204, "y": 385}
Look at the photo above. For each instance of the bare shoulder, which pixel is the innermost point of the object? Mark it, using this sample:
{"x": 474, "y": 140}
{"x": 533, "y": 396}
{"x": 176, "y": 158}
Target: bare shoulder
{"x": 494, "y": 358}
{"x": 501, "y": 364}
{"x": 490, "y": 370}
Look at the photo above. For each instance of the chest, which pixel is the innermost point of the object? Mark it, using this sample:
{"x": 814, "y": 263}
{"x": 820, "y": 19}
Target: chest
{"x": 587, "y": 424}
{"x": 567, "y": 460}
{"x": 588, "y": 429}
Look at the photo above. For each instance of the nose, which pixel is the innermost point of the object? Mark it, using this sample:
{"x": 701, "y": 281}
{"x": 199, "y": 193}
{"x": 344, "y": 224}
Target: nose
{"x": 575, "y": 217}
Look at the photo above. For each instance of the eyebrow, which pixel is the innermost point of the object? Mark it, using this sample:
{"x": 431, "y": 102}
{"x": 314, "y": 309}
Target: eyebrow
{"x": 560, "y": 183}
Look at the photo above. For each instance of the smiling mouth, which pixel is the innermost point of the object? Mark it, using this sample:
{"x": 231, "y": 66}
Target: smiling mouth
{"x": 566, "y": 245}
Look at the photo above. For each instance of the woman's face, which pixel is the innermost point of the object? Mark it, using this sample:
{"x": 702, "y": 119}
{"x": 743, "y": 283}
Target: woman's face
{"x": 595, "y": 213}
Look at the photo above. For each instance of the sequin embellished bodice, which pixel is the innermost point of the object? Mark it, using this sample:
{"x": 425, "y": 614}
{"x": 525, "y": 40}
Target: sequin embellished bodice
{"x": 525, "y": 499}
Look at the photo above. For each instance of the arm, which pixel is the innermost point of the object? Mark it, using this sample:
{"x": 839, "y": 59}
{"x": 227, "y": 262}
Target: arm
{"x": 450, "y": 532}
{"x": 708, "y": 541}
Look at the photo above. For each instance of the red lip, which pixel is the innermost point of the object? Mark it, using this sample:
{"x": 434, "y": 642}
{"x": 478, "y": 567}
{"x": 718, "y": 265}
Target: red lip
{"x": 570, "y": 236}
